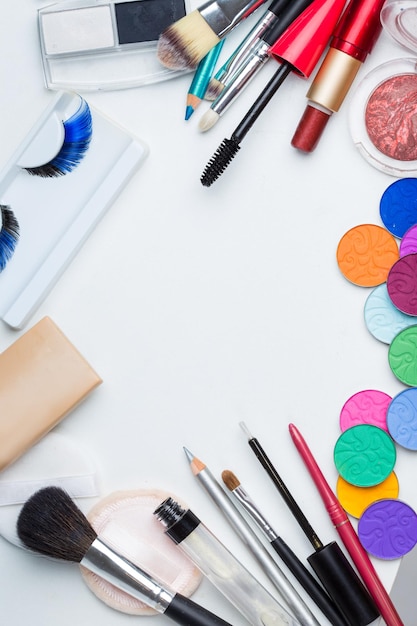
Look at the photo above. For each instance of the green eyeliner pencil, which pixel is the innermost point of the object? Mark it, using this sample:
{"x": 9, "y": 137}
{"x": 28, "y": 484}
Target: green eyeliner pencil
{"x": 201, "y": 79}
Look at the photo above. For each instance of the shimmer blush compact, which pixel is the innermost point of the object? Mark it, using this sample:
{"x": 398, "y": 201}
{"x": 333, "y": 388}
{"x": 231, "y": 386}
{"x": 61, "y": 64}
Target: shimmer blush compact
{"x": 383, "y": 111}
{"x": 383, "y": 117}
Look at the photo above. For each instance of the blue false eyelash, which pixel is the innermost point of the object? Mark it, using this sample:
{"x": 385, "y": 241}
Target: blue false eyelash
{"x": 9, "y": 235}
{"x": 78, "y": 130}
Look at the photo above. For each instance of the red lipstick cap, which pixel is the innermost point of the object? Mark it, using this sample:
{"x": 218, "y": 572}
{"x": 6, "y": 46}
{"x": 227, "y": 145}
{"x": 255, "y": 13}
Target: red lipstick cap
{"x": 303, "y": 43}
{"x": 359, "y": 28}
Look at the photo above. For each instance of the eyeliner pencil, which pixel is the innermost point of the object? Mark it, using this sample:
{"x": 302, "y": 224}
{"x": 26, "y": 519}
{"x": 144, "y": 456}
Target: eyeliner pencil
{"x": 201, "y": 79}
{"x": 245, "y": 532}
{"x": 347, "y": 533}
{"x": 291, "y": 560}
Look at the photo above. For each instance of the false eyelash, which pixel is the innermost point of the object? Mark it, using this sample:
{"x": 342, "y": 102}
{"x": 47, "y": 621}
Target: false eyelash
{"x": 9, "y": 235}
{"x": 77, "y": 136}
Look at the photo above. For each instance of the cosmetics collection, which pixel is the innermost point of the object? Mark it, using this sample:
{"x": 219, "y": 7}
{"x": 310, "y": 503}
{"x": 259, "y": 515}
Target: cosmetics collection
{"x": 146, "y": 552}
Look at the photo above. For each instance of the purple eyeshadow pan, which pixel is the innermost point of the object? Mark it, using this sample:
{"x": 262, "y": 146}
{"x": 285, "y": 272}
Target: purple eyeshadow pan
{"x": 387, "y": 529}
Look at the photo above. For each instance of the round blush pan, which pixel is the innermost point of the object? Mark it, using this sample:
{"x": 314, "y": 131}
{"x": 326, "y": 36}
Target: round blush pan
{"x": 388, "y": 529}
{"x": 398, "y": 205}
{"x": 402, "y": 418}
{"x": 365, "y": 407}
{"x": 383, "y": 320}
{"x": 402, "y": 356}
{"x": 402, "y": 284}
{"x": 364, "y": 455}
{"x": 383, "y": 117}
{"x": 366, "y": 253}
{"x": 125, "y": 521}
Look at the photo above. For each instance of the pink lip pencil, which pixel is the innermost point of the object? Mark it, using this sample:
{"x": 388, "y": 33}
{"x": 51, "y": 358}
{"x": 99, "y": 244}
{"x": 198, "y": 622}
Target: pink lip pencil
{"x": 347, "y": 533}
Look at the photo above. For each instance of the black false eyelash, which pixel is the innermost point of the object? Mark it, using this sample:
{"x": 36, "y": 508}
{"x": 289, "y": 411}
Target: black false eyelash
{"x": 9, "y": 235}
{"x": 77, "y": 136}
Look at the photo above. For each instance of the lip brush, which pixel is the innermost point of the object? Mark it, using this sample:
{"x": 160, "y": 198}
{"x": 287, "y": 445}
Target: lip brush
{"x": 347, "y": 533}
{"x": 296, "y": 567}
{"x": 298, "y": 49}
{"x": 328, "y": 561}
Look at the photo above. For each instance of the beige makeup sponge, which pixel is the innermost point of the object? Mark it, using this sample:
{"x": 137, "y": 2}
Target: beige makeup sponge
{"x": 125, "y": 521}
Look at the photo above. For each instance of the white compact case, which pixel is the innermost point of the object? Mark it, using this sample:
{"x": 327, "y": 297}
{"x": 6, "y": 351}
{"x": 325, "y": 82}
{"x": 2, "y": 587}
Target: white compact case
{"x": 106, "y": 45}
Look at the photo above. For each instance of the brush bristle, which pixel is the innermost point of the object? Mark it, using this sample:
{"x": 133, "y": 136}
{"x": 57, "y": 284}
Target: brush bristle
{"x": 214, "y": 89}
{"x": 209, "y": 119}
{"x": 219, "y": 161}
{"x": 230, "y": 480}
{"x": 183, "y": 44}
{"x": 51, "y": 523}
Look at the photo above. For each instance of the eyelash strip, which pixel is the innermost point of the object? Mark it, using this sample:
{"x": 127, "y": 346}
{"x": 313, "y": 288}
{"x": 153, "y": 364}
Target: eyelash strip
{"x": 9, "y": 235}
{"x": 78, "y": 130}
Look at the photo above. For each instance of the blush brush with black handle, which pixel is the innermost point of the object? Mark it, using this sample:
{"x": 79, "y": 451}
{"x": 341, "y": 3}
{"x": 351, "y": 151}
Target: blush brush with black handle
{"x": 51, "y": 524}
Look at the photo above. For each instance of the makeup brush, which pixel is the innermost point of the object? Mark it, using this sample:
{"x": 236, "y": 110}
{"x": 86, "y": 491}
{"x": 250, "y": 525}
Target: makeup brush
{"x": 184, "y": 43}
{"x": 233, "y": 63}
{"x": 51, "y": 523}
{"x": 298, "y": 50}
{"x": 328, "y": 561}
{"x": 255, "y": 59}
{"x": 296, "y": 567}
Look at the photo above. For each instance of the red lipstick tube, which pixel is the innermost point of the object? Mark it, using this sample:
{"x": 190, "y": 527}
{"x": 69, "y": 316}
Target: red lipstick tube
{"x": 354, "y": 38}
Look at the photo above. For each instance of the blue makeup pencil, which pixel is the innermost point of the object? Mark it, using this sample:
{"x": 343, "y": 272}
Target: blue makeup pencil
{"x": 202, "y": 78}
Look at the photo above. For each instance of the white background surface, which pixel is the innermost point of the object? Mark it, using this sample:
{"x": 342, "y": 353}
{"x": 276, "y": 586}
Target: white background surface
{"x": 204, "y": 307}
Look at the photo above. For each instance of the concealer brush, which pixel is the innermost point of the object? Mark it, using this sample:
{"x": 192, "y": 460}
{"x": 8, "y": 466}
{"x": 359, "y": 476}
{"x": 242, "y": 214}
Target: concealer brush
{"x": 296, "y": 567}
{"x": 51, "y": 524}
{"x": 297, "y": 50}
{"x": 328, "y": 561}
{"x": 184, "y": 43}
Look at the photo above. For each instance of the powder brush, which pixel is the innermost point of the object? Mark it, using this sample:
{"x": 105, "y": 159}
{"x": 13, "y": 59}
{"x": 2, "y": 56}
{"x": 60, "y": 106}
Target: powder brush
{"x": 51, "y": 524}
{"x": 184, "y": 43}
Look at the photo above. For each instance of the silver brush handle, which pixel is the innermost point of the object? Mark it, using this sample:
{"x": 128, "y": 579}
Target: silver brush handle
{"x": 222, "y": 16}
{"x": 124, "y": 575}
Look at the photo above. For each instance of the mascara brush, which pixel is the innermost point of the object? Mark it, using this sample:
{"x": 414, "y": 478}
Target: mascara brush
{"x": 298, "y": 50}
{"x": 328, "y": 561}
{"x": 51, "y": 524}
{"x": 296, "y": 567}
{"x": 184, "y": 43}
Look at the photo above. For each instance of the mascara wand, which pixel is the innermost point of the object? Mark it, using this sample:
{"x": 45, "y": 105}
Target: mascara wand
{"x": 297, "y": 50}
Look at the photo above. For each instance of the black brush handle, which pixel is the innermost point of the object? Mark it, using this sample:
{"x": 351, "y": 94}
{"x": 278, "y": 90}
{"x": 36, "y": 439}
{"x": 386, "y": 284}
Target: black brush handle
{"x": 309, "y": 583}
{"x": 188, "y": 613}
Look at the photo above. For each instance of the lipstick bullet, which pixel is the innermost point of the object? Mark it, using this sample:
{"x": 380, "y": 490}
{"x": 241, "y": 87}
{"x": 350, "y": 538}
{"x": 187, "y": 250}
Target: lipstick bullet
{"x": 353, "y": 39}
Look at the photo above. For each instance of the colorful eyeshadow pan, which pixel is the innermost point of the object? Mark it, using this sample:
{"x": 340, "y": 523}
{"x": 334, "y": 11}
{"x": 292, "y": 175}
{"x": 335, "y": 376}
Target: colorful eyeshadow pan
{"x": 388, "y": 529}
{"x": 402, "y": 284}
{"x": 408, "y": 244}
{"x": 365, "y": 407}
{"x": 383, "y": 320}
{"x": 366, "y": 253}
{"x": 356, "y": 499}
{"x": 364, "y": 455}
{"x": 402, "y": 418}
{"x": 398, "y": 205}
{"x": 402, "y": 356}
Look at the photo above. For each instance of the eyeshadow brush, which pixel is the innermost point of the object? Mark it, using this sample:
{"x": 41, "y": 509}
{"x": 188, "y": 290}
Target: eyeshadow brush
{"x": 297, "y": 50}
{"x": 51, "y": 524}
{"x": 296, "y": 567}
{"x": 184, "y": 43}
{"x": 270, "y": 567}
{"x": 328, "y": 561}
